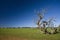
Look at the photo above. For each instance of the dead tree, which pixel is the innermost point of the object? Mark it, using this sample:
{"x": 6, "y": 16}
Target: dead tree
{"x": 50, "y": 22}
{"x": 40, "y": 15}
{"x": 44, "y": 24}
{"x": 39, "y": 21}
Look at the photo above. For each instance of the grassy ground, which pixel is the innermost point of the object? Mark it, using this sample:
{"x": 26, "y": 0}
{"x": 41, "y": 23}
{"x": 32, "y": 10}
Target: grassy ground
{"x": 26, "y": 34}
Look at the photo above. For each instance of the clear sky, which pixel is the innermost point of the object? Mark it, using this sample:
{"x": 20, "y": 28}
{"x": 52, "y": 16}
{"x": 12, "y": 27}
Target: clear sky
{"x": 14, "y": 13}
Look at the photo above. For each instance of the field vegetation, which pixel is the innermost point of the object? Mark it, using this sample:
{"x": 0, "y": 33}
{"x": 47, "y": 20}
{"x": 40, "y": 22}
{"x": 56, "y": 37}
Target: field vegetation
{"x": 26, "y": 34}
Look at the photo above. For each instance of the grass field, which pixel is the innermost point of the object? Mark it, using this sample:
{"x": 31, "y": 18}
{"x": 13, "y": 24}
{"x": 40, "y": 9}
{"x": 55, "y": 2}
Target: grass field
{"x": 26, "y": 34}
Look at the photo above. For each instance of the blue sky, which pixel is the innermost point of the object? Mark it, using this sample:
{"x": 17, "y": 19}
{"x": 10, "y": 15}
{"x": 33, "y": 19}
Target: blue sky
{"x": 14, "y": 13}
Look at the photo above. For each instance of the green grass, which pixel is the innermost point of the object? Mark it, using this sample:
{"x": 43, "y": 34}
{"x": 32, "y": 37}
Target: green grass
{"x": 29, "y": 33}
